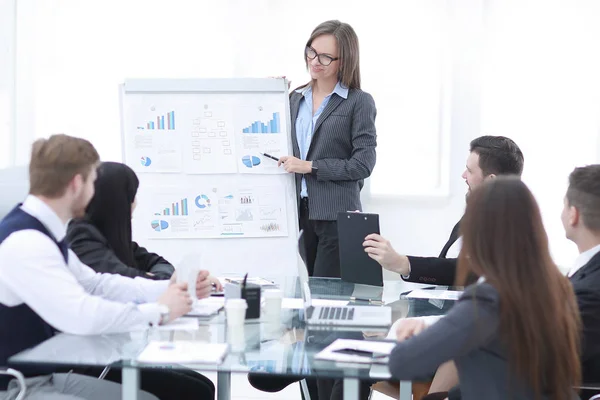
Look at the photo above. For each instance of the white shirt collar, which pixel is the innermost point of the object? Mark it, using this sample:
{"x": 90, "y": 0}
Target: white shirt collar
{"x": 46, "y": 215}
{"x": 583, "y": 259}
{"x": 339, "y": 89}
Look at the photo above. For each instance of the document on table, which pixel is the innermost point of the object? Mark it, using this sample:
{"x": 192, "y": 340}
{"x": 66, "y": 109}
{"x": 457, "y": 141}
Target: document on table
{"x": 207, "y": 307}
{"x": 376, "y": 351}
{"x": 180, "y": 324}
{"x": 181, "y": 351}
{"x": 296, "y": 304}
{"x": 434, "y": 294}
{"x": 239, "y": 279}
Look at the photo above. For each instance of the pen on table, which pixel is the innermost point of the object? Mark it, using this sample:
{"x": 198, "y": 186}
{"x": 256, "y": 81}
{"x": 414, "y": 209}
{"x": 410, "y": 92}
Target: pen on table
{"x": 243, "y": 288}
{"x": 270, "y": 156}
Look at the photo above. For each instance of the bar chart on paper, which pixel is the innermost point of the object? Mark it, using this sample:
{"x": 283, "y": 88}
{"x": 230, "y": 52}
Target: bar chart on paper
{"x": 271, "y": 126}
{"x": 177, "y": 209}
{"x": 161, "y": 122}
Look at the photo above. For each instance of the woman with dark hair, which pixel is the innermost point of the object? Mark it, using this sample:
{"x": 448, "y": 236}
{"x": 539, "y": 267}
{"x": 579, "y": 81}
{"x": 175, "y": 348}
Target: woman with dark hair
{"x": 515, "y": 334}
{"x": 102, "y": 239}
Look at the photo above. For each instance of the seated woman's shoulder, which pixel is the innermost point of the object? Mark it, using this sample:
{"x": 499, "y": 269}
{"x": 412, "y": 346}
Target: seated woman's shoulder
{"x": 81, "y": 228}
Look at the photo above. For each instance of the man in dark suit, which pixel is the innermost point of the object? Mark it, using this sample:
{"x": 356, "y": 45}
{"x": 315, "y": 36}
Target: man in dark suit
{"x": 489, "y": 156}
{"x": 581, "y": 220}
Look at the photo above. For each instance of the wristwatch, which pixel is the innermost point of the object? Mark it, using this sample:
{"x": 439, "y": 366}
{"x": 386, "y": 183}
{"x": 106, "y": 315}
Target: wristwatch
{"x": 165, "y": 314}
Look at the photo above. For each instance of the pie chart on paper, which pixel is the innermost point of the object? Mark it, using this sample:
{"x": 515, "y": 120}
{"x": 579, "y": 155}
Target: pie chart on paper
{"x": 145, "y": 161}
{"x": 159, "y": 225}
{"x": 250, "y": 161}
{"x": 202, "y": 201}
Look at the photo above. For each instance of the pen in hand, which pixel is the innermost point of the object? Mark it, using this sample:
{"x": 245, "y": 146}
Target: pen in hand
{"x": 270, "y": 156}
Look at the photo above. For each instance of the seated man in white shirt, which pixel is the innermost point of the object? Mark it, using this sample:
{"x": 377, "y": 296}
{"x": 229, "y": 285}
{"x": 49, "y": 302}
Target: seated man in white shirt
{"x": 45, "y": 289}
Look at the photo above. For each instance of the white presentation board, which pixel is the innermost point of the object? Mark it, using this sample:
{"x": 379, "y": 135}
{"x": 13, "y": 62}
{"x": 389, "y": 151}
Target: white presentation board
{"x": 206, "y": 190}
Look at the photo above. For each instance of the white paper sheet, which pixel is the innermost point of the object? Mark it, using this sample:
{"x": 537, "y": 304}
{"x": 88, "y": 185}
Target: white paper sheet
{"x": 180, "y": 324}
{"x": 261, "y": 128}
{"x": 297, "y": 304}
{"x": 216, "y": 212}
{"x": 434, "y": 294}
{"x": 253, "y": 279}
{"x": 206, "y": 133}
{"x": 380, "y": 348}
{"x": 210, "y": 143}
{"x": 153, "y": 133}
{"x": 183, "y": 352}
{"x": 207, "y": 307}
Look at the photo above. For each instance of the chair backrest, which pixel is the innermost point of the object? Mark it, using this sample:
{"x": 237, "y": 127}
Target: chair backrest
{"x": 14, "y": 186}
{"x": 20, "y": 379}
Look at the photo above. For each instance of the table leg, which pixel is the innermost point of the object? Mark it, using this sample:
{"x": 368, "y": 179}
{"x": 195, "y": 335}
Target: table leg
{"x": 224, "y": 385}
{"x": 351, "y": 386}
{"x": 405, "y": 390}
{"x": 130, "y": 383}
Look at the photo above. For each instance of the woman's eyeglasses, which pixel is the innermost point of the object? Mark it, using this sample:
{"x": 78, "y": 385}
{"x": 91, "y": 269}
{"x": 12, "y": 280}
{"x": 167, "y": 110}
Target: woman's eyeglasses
{"x": 324, "y": 59}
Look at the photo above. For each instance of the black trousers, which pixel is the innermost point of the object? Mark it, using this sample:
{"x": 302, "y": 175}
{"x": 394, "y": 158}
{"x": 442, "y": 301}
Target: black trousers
{"x": 166, "y": 384}
{"x": 321, "y": 244}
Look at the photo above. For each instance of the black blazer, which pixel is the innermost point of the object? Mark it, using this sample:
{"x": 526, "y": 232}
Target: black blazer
{"x": 470, "y": 335}
{"x": 343, "y": 150}
{"x": 92, "y": 248}
{"x": 586, "y": 284}
{"x": 435, "y": 270}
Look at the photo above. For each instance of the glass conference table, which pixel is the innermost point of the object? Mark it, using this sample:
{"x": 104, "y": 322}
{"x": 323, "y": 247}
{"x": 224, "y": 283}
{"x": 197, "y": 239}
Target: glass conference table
{"x": 282, "y": 348}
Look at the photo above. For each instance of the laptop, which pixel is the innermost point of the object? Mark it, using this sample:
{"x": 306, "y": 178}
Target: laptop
{"x": 364, "y": 316}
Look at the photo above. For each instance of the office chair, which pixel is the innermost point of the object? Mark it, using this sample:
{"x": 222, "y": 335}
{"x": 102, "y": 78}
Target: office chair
{"x": 20, "y": 379}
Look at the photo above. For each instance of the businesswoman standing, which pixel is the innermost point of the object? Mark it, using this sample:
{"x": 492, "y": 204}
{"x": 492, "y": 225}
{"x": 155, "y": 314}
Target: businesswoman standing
{"x": 334, "y": 140}
{"x": 514, "y": 334}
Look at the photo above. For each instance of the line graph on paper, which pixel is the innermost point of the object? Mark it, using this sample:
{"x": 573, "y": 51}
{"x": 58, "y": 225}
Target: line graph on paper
{"x": 267, "y": 213}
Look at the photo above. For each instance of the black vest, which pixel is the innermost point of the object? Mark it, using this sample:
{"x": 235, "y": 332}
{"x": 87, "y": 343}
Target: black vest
{"x": 20, "y": 327}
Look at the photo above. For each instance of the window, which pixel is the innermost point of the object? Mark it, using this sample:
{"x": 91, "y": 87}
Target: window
{"x": 7, "y": 55}
{"x": 541, "y": 87}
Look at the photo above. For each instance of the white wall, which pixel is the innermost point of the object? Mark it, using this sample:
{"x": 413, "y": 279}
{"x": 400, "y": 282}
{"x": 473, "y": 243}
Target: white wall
{"x": 526, "y": 69}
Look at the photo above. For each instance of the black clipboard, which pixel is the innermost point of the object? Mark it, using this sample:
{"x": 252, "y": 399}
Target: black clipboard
{"x": 356, "y": 266}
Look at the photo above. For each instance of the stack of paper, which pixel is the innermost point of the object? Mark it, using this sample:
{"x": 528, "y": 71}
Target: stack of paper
{"x": 183, "y": 352}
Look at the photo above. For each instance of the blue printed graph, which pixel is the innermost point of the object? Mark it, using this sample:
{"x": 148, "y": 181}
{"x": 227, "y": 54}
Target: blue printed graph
{"x": 145, "y": 161}
{"x": 271, "y": 126}
{"x": 159, "y": 124}
{"x": 177, "y": 209}
{"x": 251, "y": 161}
{"x": 159, "y": 225}
{"x": 202, "y": 201}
